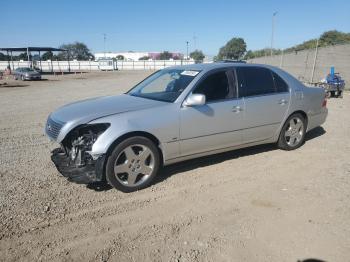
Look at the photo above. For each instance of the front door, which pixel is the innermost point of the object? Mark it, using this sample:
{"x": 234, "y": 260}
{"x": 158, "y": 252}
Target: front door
{"x": 218, "y": 123}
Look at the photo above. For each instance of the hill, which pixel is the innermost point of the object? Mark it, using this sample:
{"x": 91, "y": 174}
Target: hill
{"x": 328, "y": 38}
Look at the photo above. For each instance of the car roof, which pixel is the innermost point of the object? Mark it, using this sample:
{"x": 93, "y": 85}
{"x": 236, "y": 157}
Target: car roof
{"x": 218, "y": 65}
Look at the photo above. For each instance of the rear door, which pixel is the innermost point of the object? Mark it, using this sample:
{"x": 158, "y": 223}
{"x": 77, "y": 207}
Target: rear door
{"x": 266, "y": 99}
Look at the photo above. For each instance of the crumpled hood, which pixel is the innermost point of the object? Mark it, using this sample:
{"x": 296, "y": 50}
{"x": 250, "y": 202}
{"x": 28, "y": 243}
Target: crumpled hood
{"x": 91, "y": 109}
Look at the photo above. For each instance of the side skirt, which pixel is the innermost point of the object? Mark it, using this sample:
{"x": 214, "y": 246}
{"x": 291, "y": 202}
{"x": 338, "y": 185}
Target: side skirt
{"x": 216, "y": 151}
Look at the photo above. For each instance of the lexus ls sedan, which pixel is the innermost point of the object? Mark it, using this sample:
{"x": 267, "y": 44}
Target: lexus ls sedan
{"x": 181, "y": 113}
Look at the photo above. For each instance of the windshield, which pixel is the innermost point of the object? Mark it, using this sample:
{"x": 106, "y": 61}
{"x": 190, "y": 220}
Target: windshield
{"x": 165, "y": 85}
{"x": 25, "y": 69}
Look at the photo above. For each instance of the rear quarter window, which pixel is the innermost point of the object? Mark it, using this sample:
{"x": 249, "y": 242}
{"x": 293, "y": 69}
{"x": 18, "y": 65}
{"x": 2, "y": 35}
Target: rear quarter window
{"x": 281, "y": 85}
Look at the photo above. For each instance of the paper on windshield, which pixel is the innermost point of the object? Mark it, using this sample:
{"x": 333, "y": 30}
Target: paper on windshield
{"x": 189, "y": 73}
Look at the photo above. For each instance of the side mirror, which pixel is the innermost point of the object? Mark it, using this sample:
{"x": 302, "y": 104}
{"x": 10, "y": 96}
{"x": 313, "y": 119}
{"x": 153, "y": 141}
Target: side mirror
{"x": 195, "y": 100}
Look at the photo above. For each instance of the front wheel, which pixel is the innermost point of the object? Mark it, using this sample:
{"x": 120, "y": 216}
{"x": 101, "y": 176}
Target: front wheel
{"x": 293, "y": 132}
{"x": 133, "y": 164}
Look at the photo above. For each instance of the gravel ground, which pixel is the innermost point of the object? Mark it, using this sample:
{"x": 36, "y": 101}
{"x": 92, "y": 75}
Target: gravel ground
{"x": 256, "y": 204}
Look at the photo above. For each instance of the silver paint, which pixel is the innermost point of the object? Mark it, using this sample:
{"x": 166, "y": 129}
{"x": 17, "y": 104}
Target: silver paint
{"x": 187, "y": 131}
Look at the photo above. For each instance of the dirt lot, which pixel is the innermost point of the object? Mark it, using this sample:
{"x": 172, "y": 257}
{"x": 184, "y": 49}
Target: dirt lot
{"x": 257, "y": 204}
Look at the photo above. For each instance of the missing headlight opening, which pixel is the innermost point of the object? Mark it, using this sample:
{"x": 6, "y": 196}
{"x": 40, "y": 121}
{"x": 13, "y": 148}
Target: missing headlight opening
{"x": 73, "y": 159}
{"x": 79, "y": 141}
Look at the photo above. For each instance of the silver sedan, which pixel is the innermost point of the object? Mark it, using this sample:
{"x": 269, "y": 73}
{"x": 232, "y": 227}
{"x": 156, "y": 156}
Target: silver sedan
{"x": 181, "y": 113}
{"x": 26, "y": 73}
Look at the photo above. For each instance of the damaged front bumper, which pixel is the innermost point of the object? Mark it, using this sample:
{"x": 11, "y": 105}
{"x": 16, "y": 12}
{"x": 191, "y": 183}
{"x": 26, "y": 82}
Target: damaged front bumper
{"x": 90, "y": 172}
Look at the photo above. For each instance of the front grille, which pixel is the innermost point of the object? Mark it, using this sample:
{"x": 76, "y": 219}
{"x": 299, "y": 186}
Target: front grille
{"x": 53, "y": 128}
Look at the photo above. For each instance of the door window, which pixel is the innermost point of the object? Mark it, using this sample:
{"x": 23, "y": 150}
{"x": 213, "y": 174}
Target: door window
{"x": 215, "y": 87}
{"x": 254, "y": 81}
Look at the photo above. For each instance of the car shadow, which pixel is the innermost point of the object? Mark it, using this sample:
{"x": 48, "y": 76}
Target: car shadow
{"x": 99, "y": 186}
{"x": 200, "y": 162}
{"x": 311, "y": 260}
{"x": 314, "y": 133}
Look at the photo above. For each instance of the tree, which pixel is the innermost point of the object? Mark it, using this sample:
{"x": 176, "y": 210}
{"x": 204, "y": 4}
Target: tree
{"x": 144, "y": 57}
{"x": 261, "y": 52}
{"x": 197, "y": 55}
{"x": 24, "y": 56}
{"x": 234, "y": 49}
{"x": 249, "y": 55}
{"x": 47, "y": 56}
{"x": 120, "y": 57}
{"x": 76, "y": 50}
{"x": 4, "y": 57}
{"x": 334, "y": 37}
{"x": 165, "y": 55}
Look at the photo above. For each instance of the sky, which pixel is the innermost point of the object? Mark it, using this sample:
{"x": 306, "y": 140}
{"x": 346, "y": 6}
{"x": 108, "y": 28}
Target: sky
{"x": 158, "y": 25}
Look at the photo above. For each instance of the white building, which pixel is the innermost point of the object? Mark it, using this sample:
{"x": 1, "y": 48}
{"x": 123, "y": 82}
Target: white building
{"x": 135, "y": 56}
{"x": 129, "y": 56}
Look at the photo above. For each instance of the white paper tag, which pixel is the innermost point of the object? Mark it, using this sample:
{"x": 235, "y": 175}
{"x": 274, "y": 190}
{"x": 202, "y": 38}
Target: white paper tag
{"x": 189, "y": 73}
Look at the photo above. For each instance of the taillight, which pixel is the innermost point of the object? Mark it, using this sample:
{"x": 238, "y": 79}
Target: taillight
{"x": 324, "y": 103}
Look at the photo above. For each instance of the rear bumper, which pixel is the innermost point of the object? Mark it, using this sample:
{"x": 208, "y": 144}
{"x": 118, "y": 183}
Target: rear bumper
{"x": 87, "y": 174}
{"x": 317, "y": 120}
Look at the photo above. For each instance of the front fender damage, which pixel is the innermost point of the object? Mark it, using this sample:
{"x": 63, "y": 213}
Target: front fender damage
{"x": 74, "y": 160}
{"x": 90, "y": 172}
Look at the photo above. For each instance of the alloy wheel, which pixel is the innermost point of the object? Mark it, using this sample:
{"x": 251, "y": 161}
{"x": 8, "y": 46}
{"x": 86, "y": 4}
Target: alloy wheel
{"x": 294, "y": 132}
{"x": 134, "y": 165}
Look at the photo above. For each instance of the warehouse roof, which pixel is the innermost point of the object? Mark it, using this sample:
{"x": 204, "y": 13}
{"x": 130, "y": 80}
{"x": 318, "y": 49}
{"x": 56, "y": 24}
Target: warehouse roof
{"x": 30, "y": 48}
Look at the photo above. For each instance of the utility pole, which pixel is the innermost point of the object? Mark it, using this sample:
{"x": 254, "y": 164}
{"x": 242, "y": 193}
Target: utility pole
{"x": 187, "y": 50}
{"x": 104, "y": 45}
{"x": 314, "y": 65}
{"x": 195, "y": 41}
{"x": 273, "y": 29}
{"x": 28, "y": 56}
{"x": 281, "y": 62}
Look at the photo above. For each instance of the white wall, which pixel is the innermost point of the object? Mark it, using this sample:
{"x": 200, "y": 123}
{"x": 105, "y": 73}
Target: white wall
{"x": 78, "y": 66}
{"x": 300, "y": 64}
{"x": 127, "y": 55}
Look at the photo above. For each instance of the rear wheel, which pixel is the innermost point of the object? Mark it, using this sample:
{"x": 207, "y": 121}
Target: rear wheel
{"x": 133, "y": 164}
{"x": 293, "y": 132}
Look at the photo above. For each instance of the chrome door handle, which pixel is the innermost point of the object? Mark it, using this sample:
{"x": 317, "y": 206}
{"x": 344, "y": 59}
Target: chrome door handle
{"x": 282, "y": 102}
{"x": 237, "y": 109}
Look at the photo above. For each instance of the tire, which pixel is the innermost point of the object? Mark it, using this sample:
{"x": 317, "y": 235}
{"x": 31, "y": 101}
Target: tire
{"x": 340, "y": 94}
{"x": 292, "y": 137}
{"x": 133, "y": 164}
{"x": 332, "y": 93}
{"x": 22, "y": 78}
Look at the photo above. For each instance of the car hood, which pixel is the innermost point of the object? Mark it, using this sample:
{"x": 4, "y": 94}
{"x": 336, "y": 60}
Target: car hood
{"x": 91, "y": 109}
